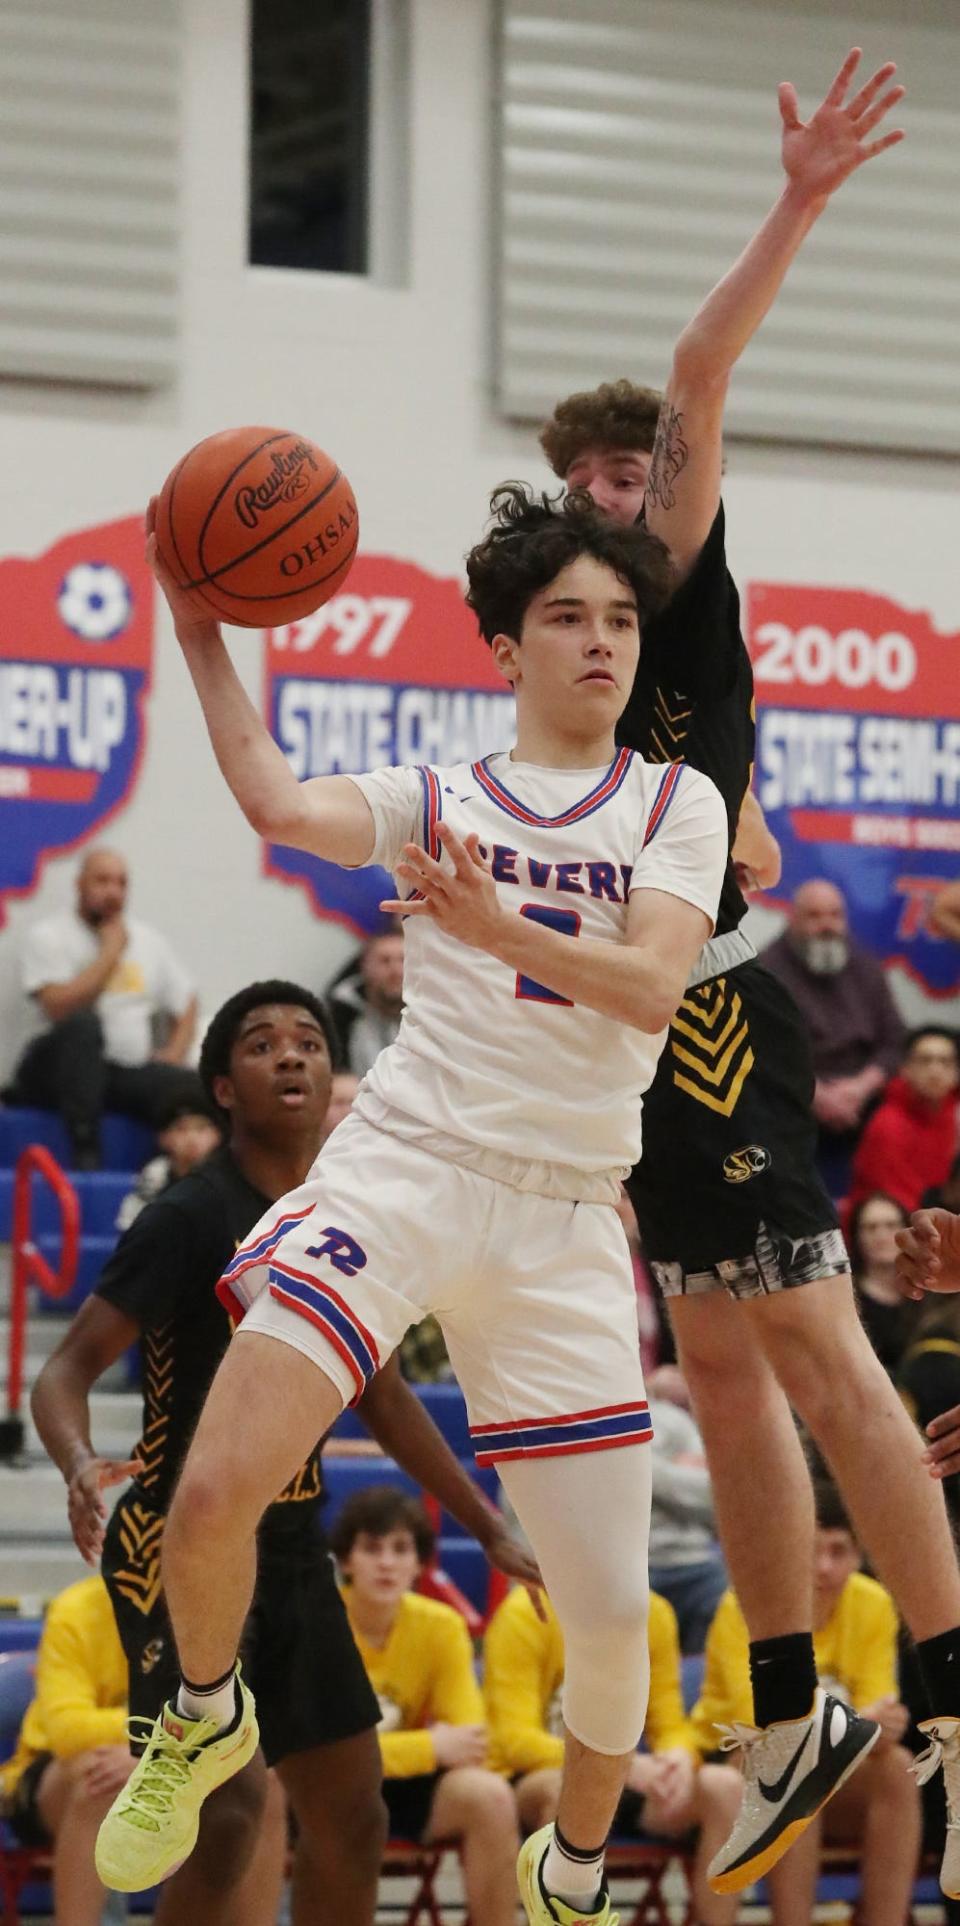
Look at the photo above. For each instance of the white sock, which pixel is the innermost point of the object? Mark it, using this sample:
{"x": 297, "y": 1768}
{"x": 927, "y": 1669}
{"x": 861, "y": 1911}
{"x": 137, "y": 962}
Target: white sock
{"x": 571, "y": 1873}
{"x": 219, "y": 1703}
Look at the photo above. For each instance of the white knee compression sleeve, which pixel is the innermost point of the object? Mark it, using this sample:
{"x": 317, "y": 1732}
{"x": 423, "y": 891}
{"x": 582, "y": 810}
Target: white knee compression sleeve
{"x": 588, "y": 1519}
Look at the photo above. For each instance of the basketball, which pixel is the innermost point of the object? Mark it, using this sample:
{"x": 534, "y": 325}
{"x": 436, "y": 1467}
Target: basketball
{"x": 258, "y": 525}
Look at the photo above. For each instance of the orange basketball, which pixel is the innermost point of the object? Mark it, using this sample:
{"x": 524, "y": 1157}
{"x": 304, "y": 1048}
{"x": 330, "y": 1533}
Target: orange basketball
{"x": 259, "y": 525}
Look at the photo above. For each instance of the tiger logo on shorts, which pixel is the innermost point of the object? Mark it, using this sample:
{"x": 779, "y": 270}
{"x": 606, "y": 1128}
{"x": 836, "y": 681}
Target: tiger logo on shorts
{"x": 741, "y": 1165}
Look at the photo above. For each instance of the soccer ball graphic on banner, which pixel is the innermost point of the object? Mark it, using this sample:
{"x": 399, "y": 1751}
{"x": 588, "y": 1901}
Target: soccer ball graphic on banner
{"x": 95, "y": 601}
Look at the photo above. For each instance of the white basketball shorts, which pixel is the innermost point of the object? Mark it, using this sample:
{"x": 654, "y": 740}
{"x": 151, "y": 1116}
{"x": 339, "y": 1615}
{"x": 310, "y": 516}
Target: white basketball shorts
{"x": 535, "y": 1295}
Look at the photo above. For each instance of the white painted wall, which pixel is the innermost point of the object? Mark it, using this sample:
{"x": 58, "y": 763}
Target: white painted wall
{"x": 396, "y": 382}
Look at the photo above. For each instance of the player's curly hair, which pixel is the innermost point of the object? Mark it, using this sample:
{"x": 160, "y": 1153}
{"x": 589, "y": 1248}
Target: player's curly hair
{"x": 616, "y": 415}
{"x": 533, "y": 536}
{"x": 377, "y": 1510}
{"x": 224, "y": 1028}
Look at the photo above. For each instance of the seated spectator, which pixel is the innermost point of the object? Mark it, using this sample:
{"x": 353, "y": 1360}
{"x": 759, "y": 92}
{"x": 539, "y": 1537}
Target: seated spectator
{"x": 366, "y": 1005}
{"x": 910, "y": 1142}
{"x": 73, "y": 1756}
{"x": 667, "y": 1793}
{"x": 433, "y": 1738}
{"x": 855, "y": 1640}
{"x": 888, "y": 1318}
{"x": 852, "y": 1021}
{"x": 99, "y": 981}
{"x": 944, "y": 1196}
{"x": 686, "y": 1564}
{"x": 189, "y": 1134}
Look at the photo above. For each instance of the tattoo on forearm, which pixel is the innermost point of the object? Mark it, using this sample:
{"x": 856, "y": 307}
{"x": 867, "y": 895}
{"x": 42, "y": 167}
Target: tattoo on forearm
{"x": 670, "y": 456}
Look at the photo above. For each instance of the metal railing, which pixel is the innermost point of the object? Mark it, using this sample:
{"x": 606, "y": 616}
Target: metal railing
{"x": 29, "y": 1266}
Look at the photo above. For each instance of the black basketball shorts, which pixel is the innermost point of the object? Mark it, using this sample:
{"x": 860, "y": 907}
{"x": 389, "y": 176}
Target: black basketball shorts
{"x": 727, "y": 1192}
{"x": 298, "y": 1653}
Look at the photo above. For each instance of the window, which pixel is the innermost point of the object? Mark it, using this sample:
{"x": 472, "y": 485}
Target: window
{"x": 309, "y": 86}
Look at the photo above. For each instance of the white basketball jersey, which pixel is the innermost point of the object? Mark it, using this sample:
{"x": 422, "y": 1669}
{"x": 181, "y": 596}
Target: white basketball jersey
{"x": 490, "y": 1067}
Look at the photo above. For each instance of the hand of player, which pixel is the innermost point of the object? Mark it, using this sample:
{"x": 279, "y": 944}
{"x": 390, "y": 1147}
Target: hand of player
{"x": 86, "y": 1510}
{"x": 928, "y": 1253}
{"x": 190, "y": 620}
{"x": 510, "y": 1555}
{"x": 942, "y": 1455}
{"x": 459, "y": 1745}
{"x": 892, "y": 1718}
{"x": 461, "y": 899}
{"x": 105, "y": 1770}
{"x": 819, "y": 154}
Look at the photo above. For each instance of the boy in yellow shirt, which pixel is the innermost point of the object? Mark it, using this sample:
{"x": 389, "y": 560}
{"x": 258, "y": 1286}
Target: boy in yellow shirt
{"x": 72, "y": 1756}
{"x": 855, "y": 1642}
{"x": 433, "y": 1738}
{"x": 668, "y": 1791}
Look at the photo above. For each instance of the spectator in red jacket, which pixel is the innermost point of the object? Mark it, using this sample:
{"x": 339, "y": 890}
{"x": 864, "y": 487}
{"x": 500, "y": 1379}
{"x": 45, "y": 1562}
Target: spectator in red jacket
{"x": 910, "y": 1142}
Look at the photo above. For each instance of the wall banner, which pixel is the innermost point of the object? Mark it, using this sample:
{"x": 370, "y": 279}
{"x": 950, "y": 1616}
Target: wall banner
{"x": 392, "y": 671}
{"x": 76, "y": 648}
{"x": 858, "y": 760}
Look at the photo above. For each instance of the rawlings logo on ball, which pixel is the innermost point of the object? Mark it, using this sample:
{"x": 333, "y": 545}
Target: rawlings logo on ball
{"x": 287, "y": 479}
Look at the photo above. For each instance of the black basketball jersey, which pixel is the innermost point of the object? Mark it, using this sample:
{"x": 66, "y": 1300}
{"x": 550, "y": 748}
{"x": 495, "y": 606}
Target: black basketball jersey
{"x": 162, "y": 1275}
{"x": 692, "y": 699}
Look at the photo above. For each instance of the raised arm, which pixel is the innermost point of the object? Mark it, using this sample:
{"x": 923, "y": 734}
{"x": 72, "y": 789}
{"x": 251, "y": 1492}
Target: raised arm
{"x": 328, "y": 815}
{"x": 683, "y": 486}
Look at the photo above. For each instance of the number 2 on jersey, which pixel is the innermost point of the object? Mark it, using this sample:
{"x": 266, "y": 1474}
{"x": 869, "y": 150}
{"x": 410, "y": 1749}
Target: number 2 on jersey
{"x": 567, "y": 922}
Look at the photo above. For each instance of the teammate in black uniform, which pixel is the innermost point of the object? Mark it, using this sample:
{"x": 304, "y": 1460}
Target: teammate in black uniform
{"x": 732, "y": 1213}
{"x": 266, "y": 1064}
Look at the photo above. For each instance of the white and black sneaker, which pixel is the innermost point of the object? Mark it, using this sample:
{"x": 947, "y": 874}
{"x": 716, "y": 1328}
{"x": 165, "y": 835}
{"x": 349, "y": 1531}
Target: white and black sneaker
{"x": 944, "y": 1750}
{"x": 789, "y": 1771}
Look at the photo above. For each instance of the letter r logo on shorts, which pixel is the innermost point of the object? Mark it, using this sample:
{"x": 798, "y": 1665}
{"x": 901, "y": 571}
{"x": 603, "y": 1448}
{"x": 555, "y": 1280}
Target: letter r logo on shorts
{"x": 344, "y": 1252}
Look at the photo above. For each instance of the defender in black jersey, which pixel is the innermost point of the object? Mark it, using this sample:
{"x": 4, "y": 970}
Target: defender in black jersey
{"x": 732, "y": 1212}
{"x": 266, "y": 1062}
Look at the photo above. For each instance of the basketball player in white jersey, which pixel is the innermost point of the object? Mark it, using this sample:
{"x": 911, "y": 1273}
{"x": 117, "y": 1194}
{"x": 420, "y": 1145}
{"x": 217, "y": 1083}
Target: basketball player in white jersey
{"x": 556, "y": 898}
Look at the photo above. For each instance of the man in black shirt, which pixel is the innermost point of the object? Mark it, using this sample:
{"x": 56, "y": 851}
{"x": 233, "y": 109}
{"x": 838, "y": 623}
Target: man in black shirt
{"x": 266, "y": 1064}
{"x": 740, "y": 1232}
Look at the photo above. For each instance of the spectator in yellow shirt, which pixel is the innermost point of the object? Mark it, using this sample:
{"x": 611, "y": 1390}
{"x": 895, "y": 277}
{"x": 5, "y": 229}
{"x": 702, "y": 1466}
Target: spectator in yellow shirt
{"x": 668, "y": 1791}
{"x": 433, "y": 1737}
{"x": 72, "y": 1756}
{"x": 855, "y": 1642}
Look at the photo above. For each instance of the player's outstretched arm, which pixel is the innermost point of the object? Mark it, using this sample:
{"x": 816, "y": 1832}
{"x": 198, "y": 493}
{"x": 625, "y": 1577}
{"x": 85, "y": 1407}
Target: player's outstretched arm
{"x": 60, "y": 1403}
{"x": 683, "y": 488}
{"x": 638, "y": 981}
{"x": 327, "y": 815}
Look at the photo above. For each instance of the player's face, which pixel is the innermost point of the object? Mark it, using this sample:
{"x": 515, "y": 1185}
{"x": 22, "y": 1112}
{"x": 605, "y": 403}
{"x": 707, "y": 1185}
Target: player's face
{"x": 835, "y": 1559}
{"x": 279, "y": 1082}
{"x": 577, "y": 657}
{"x": 382, "y": 1566}
{"x": 615, "y": 477}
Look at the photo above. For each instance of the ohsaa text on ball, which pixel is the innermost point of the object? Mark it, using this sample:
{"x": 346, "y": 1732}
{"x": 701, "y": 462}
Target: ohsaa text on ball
{"x": 321, "y": 544}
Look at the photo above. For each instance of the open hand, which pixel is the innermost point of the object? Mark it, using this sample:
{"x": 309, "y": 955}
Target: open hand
{"x": 928, "y": 1253}
{"x": 461, "y": 899}
{"x": 509, "y": 1554}
{"x": 819, "y": 154}
{"x": 86, "y": 1510}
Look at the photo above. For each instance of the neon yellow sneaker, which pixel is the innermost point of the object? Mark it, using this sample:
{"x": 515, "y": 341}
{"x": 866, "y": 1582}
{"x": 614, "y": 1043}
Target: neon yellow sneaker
{"x": 152, "y": 1826}
{"x": 541, "y": 1909}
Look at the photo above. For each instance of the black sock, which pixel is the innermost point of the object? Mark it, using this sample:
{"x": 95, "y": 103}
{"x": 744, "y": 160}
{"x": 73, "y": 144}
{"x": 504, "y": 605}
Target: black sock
{"x": 783, "y": 1673}
{"x": 939, "y": 1662}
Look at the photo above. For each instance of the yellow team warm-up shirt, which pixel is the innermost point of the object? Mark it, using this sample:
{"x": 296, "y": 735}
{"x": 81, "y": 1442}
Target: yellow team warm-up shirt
{"x": 423, "y": 1676}
{"x": 81, "y": 1695}
{"x": 523, "y": 1673}
{"x": 856, "y": 1654}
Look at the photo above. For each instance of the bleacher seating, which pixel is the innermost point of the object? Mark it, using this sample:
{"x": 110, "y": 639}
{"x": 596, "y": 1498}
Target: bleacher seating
{"x": 126, "y": 1144}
